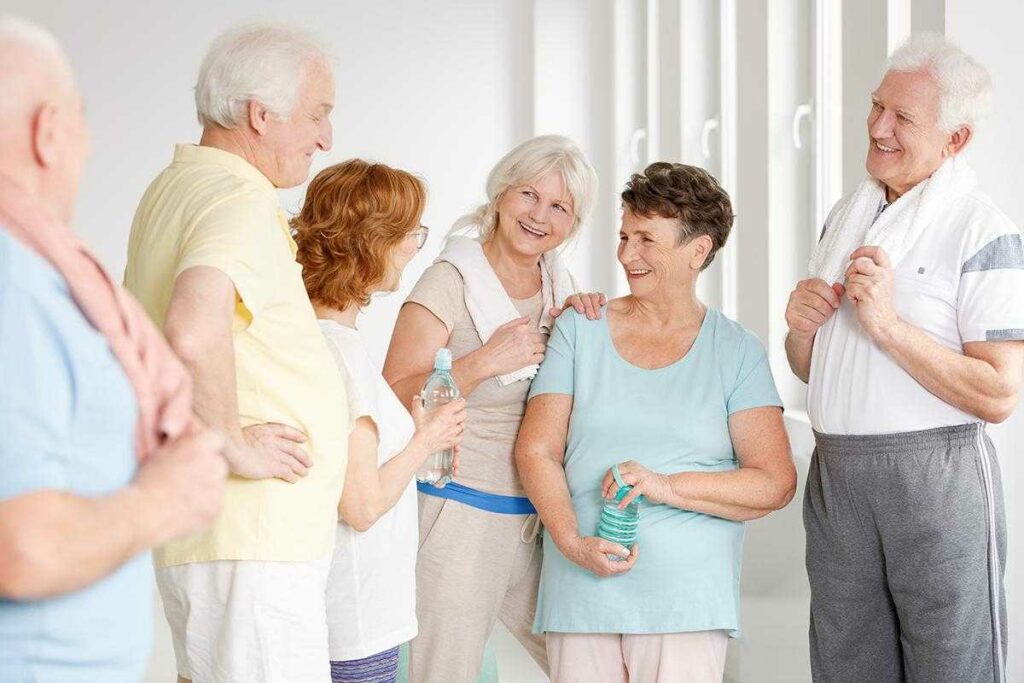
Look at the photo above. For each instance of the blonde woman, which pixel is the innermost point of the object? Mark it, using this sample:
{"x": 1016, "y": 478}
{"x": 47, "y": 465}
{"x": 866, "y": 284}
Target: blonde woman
{"x": 491, "y": 301}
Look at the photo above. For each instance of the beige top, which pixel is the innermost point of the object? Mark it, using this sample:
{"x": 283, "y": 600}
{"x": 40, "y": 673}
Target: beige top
{"x": 493, "y": 411}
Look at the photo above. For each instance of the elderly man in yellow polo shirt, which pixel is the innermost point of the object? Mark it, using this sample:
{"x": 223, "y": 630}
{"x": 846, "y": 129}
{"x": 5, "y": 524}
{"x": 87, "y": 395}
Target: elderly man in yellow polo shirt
{"x": 212, "y": 260}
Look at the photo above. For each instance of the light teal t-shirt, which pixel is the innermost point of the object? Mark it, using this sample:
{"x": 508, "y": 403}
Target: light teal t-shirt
{"x": 67, "y": 416}
{"x": 671, "y": 419}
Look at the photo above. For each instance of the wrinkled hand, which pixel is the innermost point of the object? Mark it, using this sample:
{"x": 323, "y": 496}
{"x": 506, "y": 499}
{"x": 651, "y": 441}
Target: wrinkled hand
{"x": 810, "y": 306}
{"x": 869, "y": 286}
{"x": 513, "y": 346}
{"x": 653, "y": 486}
{"x": 271, "y": 450}
{"x": 589, "y": 303}
{"x": 591, "y": 553}
{"x": 441, "y": 428}
{"x": 185, "y": 478}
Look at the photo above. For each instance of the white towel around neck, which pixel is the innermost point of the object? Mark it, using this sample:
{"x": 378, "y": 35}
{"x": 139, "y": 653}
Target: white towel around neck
{"x": 488, "y": 303}
{"x": 854, "y": 223}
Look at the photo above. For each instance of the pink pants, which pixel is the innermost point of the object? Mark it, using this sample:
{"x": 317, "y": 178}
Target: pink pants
{"x": 697, "y": 657}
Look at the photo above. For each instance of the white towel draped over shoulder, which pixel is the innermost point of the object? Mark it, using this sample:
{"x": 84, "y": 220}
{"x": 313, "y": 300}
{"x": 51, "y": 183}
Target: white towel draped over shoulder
{"x": 853, "y": 222}
{"x": 488, "y": 303}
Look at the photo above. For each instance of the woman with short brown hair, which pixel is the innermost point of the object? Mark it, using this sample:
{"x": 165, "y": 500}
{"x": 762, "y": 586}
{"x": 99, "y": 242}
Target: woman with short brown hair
{"x": 675, "y": 401}
{"x": 357, "y": 230}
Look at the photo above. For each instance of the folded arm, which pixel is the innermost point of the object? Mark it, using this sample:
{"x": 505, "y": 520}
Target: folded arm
{"x": 984, "y": 380}
{"x": 764, "y": 482}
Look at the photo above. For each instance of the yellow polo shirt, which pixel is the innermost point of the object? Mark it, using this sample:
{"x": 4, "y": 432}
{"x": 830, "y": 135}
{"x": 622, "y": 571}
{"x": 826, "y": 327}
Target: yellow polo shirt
{"x": 212, "y": 208}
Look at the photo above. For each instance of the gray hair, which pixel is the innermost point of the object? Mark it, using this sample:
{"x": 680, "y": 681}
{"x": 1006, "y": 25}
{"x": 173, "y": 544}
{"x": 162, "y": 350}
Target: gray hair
{"x": 531, "y": 161}
{"x": 964, "y": 84}
{"x": 16, "y": 36}
{"x": 257, "y": 62}
{"x": 15, "y": 30}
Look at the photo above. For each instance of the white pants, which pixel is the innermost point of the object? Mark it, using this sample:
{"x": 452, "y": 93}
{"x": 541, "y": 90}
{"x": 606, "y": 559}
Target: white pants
{"x": 248, "y": 621}
{"x": 695, "y": 657}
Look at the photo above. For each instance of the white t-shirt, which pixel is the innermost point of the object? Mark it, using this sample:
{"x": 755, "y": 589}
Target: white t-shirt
{"x": 371, "y": 590}
{"x": 962, "y": 282}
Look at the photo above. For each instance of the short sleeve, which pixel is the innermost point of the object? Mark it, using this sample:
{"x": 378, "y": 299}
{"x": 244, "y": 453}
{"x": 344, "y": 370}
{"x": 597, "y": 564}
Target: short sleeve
{"x": 991, "y": 290}
{"x": 359, "y": 404}
{"x": 557, "y": 371}
{"x": 36, "y": 401}
{"x": 360, "y": 389}
{"x": 754, "y": 386}
{"x": 233, "y": 238}
{"x": 441, "y": 291}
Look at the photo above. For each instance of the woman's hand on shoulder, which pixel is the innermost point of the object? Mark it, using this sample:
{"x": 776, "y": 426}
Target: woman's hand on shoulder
{"x": 653, "y": 486}
{"x": 585, "y": 303}
{"x": 591, "y": 553}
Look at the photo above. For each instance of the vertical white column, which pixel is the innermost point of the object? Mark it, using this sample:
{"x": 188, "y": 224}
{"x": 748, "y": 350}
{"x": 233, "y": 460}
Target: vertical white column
{"x": 727, "y": 80}
{"x": 897, "y": 23}
{"x": 576, "y": 93}
{"x": 828, "y": 110}
{"x": 699, "y": 108}
{"x": 653, "y": 72}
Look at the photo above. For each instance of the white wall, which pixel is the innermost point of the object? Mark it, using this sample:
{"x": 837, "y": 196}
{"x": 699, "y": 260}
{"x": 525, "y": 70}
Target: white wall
{"x": 988, "y": 29}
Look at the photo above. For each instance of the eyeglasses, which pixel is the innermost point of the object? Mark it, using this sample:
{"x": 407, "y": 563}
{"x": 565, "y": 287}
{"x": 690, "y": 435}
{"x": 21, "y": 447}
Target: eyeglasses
{"x": 421, "y": 234}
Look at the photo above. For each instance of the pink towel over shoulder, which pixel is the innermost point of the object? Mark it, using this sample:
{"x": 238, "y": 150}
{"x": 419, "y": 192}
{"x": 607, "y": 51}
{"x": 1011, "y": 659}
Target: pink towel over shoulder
{"x": 162, "y": 386}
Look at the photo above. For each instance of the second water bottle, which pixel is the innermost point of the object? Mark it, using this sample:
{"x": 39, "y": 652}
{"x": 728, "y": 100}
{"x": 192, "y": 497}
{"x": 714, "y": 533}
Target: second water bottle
{"x": 620, "y": 526}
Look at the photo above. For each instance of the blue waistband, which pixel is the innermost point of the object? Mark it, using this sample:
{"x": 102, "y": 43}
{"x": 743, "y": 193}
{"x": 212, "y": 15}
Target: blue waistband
{"x": 481, "y": 500}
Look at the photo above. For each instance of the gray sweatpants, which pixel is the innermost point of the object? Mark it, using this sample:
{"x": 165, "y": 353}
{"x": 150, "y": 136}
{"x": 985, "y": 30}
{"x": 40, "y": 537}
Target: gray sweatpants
{"x": 906, "y": 540}
{"x": 474, "y": 567}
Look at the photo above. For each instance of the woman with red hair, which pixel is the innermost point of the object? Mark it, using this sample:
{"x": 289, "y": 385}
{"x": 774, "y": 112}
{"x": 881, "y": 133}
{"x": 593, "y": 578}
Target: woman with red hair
{"x": 358, "y": 229}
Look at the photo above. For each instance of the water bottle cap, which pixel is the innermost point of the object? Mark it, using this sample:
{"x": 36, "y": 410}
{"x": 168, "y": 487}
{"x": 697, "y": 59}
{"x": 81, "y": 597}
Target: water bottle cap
{"x": 624, "y": 488}
{"x": 622, "y": 493}
{"x": 443, "y": 359}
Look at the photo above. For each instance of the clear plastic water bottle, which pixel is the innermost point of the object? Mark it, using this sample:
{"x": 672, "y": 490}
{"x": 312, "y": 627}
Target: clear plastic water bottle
{"x": 439, "y": 390}
{"x": 620, "y": 526}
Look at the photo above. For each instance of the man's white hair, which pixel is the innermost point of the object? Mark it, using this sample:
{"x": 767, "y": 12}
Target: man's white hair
{"x": 29, "y": 52}
{"x": 965, "y": 86}
{"x": 529, "y": 162}
{"x": 261, "y": 62}
{"x": 17, "y": 31}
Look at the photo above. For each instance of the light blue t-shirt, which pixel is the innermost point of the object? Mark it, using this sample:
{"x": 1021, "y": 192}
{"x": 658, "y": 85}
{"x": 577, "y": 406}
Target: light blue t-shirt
{"x": 671, "y": 419}
{"x": 67, "y": 420}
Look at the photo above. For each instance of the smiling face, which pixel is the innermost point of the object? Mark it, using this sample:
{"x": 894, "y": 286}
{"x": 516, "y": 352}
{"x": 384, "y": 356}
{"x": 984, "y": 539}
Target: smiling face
{"x": 535, "y": 217}
{"x": 291, "y": 143}
{"x": 906, "y": 145}
{"x": 651, "y": 256}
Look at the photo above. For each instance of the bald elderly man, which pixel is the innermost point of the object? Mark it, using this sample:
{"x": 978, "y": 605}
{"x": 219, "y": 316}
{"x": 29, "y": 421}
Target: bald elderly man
{"x": 90, "y": 390}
